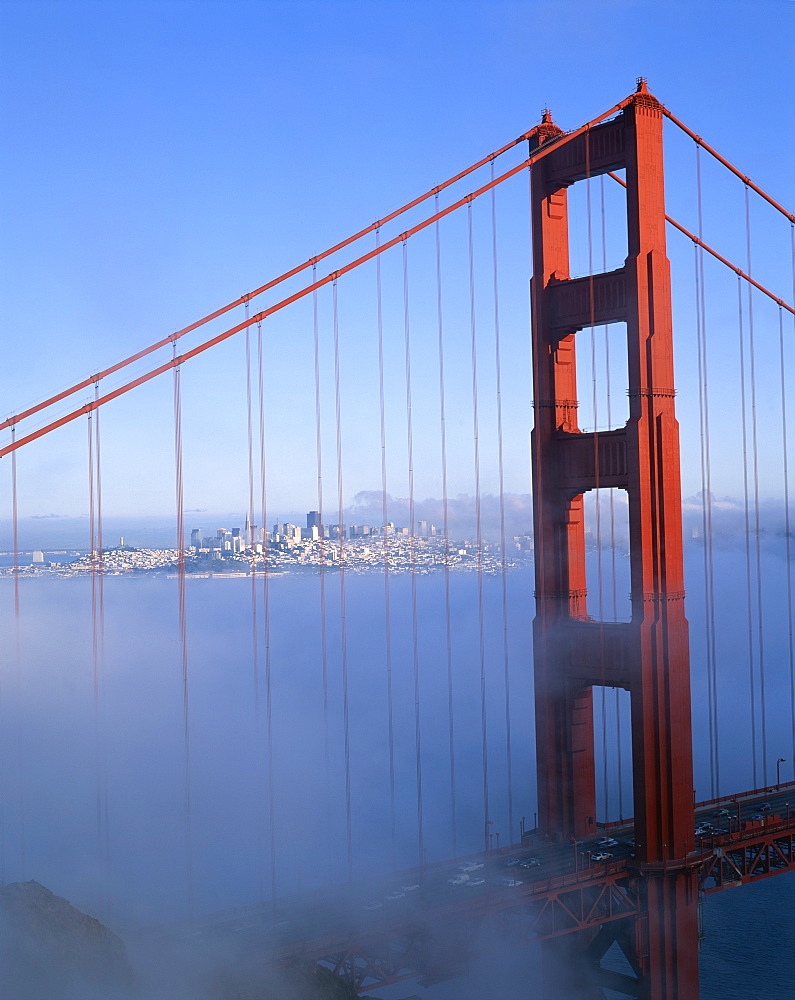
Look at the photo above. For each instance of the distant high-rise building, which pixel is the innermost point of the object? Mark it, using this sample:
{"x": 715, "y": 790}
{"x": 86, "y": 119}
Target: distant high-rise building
{"x": 195, "y": 538}
{"x": 313, "y": 519}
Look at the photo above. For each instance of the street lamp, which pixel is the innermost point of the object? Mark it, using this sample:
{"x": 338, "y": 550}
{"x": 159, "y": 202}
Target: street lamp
{"x": 779, "y": 762}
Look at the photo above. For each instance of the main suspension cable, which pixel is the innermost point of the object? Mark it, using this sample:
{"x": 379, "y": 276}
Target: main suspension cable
{"x": 313, "y": 261}
{"x": 710, "y": 250}
{"x": 746, "y": 180}
{"x": 537, "y": 154}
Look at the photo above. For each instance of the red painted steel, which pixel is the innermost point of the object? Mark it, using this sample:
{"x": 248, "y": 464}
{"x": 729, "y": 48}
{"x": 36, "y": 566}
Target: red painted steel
{"x": 573, "y": 653}
{"x": 710, "y": 250}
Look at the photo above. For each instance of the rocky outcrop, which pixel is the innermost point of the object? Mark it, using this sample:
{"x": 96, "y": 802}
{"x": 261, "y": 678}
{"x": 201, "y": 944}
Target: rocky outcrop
{"x": 49, "y": 950}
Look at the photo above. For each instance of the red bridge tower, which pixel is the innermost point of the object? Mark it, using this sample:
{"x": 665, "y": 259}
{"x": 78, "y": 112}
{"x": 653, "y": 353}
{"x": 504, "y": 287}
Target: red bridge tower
{"x": 648, "y": 656}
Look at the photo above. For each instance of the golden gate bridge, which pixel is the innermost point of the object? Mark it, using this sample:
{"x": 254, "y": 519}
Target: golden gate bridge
{"x": 598, "y": 470}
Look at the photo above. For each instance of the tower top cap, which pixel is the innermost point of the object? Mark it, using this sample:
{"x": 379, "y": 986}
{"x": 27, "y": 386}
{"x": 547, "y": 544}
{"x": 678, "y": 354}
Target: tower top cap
{"x": 546, "y": 117}
{"x": 643, "y": 85}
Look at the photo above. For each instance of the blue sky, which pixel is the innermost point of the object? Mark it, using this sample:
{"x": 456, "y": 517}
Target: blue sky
{"x": 163, "y": 158}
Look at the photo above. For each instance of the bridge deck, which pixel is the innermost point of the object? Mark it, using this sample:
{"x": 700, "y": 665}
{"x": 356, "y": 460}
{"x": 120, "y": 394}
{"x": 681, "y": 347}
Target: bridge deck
{"x": 423, "y": 921}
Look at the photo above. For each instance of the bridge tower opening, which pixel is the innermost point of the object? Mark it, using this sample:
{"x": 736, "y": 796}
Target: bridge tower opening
{"x": 573, "y": 651}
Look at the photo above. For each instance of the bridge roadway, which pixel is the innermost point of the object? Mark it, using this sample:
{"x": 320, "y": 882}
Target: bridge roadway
{"x": 423, "y": 921}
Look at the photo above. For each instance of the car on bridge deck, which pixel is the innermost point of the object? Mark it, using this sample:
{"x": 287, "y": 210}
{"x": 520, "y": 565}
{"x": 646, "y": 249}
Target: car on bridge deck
{"x": 601, "y": 856}
{"x": 459, "y": 879}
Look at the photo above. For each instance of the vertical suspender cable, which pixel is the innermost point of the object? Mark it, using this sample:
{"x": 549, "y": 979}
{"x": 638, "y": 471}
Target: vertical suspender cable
{"x": 17, "y": 651}
{"x": 704, "y": 529}
{"x": 503, "y": 554}
{"x": 101, "y": 618}
{"x": 747, "y": 505}
{"x": 413, "y": 558}
{"x": 100, "y": 542}
{"x": 251, "y": 542}
{"x": 787, "y": 539}
{"x": 385, "y": 546}
{"x": 757, "y": 527}
{"x": 446, "y": 537}
{"x": 611, "y": 507}
{"x": 609, "y": 402}
{"x": 536, "y": 483}
{"x": 98, "y": 634}
{"x": 789, "y": 571}
{"x": 251, "y": 539}
{"x": 706, "y": 498}
{"x": 706, "y": 495}
{"x": 92, "y": 541}
{"x": 321, "y": 550}
{"x": 598, "y": 497}
{"x": 478, "y": 532}
{"x": 266, "y": 613}
{"x": 183, "y": 633}
{"x": 343, "y": 623}
{"x": 15, "y": 541}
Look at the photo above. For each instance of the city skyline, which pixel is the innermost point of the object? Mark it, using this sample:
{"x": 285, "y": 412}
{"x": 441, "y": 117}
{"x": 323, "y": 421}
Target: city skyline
{"x": 189, "y": 234}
